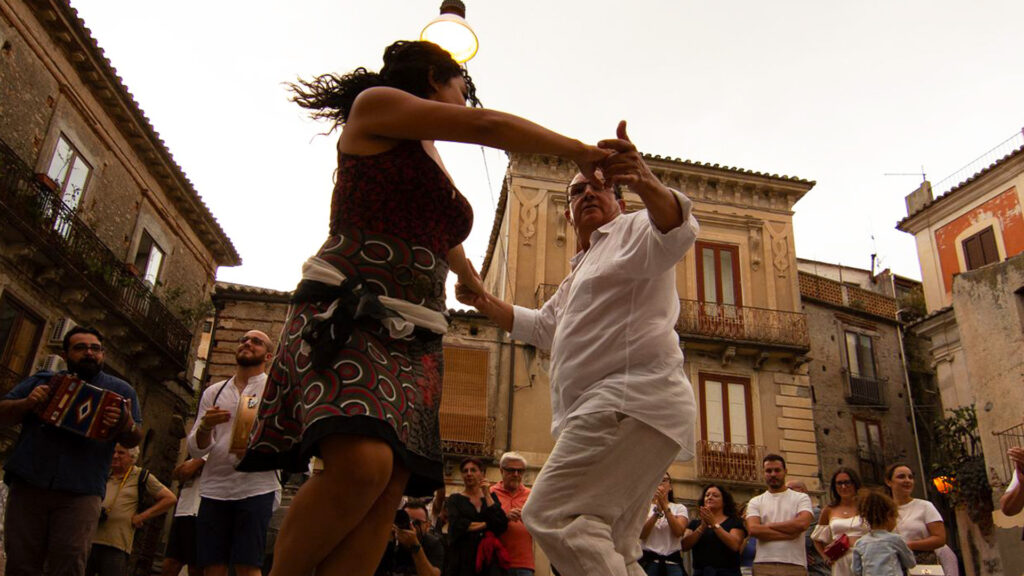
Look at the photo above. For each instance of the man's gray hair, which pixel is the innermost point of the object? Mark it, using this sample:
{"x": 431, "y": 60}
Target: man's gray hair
{"x": 133, "y": 451}
{"x": 511, "y": 457}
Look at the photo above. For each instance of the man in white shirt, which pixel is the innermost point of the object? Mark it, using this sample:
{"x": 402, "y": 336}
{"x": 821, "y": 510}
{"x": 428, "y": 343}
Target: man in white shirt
{"x": 235, "y": 507}
{"x": 622, "y": 407}
{"x": 778, "y": 519}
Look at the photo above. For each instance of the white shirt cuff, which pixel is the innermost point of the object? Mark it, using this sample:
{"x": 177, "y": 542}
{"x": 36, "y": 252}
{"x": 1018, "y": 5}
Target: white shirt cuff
{"x": 524, "y": 321}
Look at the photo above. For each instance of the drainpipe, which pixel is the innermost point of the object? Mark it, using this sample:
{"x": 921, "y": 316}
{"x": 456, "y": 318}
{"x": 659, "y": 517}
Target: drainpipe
{"x": 906, "y": 381}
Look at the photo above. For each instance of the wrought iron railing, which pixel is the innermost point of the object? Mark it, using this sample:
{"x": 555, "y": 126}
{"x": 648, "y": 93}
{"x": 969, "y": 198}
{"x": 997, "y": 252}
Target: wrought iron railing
{"x": 28, "y": 202}
{"x": 730, "y": 462}
{"x": 865, "y": 391}
{"x": 8, "y": 380}
{"x": 742, "y": 324}
{"x": 872, "y": 466}
{"x": 1012, "y": 437}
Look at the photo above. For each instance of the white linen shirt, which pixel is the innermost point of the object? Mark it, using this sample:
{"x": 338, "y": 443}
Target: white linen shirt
{"x": 610, "y": 327}
{"x": 220, "y": 479}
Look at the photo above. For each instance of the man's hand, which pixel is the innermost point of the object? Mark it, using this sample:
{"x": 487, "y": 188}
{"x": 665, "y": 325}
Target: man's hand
{"x": 406, "y": 538}
{"x": 112, "y": 415}
{"x": 626, "y": 165}
{"x": 38, "y": 395}
{"x": 138, "y": 521}
{"x": 515, "y": 515}
{"x": 214, "y": 417}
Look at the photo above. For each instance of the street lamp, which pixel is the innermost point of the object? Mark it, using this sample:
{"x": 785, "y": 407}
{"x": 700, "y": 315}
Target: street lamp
{"x": 451, "y": 31}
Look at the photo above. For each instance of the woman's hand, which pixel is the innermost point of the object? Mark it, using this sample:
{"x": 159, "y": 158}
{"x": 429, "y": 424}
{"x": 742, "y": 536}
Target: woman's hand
{"x": 706, "y": 517}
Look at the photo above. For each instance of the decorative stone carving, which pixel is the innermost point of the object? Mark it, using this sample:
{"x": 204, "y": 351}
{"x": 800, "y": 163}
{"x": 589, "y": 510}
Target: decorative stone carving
{"x": 780, "y": 247}
{"x": 528, "y": 213}
{"x": 558, "y": 201}
{"x": 754, "y": 232}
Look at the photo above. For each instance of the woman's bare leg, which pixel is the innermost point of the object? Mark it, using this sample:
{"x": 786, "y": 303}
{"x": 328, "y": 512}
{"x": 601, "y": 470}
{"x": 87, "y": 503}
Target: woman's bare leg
{"x": 360, "y": 552}
{"x": 330, "y": 505}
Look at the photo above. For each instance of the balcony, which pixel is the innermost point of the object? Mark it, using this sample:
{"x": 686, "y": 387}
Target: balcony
{"x": 35, "y": 217}
{"x": 742, "y": 325}
{"x": 872, "y": 466}
{"x": 1012, "y": 437}
{"x": 729, "y": 462}
{"x": 865, "y": 391}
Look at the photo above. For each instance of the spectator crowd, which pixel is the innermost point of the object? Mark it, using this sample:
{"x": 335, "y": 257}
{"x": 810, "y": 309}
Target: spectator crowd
{"x": 75, "y": 503}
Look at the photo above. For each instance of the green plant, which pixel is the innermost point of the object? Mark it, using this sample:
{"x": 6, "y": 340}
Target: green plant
{"x": 958, "y": 455}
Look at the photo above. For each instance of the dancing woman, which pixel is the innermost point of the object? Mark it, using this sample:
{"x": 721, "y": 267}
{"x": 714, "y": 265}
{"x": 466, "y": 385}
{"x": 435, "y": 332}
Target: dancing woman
{"x": 357, "y": 376}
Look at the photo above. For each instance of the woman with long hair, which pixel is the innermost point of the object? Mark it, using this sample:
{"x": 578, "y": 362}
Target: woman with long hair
{"x": 660, "y": 534}
{"x": 840, "y": 517}
{"x": 357, "y": 375}
{"x": 919, "y": 522}
{"x": 716, "y": 537}
{"x": 472, "y": 513}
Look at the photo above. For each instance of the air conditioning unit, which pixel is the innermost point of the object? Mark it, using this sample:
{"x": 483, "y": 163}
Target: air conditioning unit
{"x": 53, "y": 363}
{"x": 60, "y": 328}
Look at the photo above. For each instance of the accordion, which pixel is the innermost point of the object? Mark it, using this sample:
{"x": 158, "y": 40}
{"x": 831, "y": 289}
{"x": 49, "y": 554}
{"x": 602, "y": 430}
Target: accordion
{"x": 78, "y": 407}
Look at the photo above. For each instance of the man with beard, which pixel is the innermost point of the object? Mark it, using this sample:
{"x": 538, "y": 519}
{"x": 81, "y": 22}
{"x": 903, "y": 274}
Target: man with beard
{"x": 234, "y": 507}
{"x": 778, "y": 519}
{"x": 57, "y": 478}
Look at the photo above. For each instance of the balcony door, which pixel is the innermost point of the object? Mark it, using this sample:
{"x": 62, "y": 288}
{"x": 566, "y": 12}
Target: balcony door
{"x": 727, "y": 450}
{"x": 718, "y": 289}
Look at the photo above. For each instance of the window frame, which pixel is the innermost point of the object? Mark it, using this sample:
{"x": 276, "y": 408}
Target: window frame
{"x": 737, "y": 283}
{"x": 76, "y": 155}
{"x": 980, "y": 236}
{"x": 24, "y": 312}
{"x": 725, "y": 380}
{"x": 876, "y": 465}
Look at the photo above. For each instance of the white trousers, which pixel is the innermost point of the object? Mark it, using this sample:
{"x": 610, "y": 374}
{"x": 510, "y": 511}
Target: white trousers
{"x": 591, "y": 498}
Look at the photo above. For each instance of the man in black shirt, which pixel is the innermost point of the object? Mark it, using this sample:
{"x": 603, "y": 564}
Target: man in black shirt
{"x": 413, "y": 551}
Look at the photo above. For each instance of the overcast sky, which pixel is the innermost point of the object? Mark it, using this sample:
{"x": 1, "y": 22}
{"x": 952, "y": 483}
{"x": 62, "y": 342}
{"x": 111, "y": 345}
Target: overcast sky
{"x": 837, "y": 92}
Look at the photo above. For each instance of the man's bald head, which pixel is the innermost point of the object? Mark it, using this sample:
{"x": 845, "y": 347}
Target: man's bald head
{"x": 797, "y": 485}
{"x": 254, "y": 349}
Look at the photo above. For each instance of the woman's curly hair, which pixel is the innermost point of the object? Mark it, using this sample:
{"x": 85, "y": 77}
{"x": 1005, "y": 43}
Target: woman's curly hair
{"x": 876, "y": 508}
{"x": 408, "y": 65}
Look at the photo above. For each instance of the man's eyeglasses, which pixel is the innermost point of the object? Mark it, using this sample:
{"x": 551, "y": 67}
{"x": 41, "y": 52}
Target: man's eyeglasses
{"x": 255, "y": 340}
{"x": 519, "y": 471}
{"x": 97, "y": 348}
{"x": 577, "y": 189}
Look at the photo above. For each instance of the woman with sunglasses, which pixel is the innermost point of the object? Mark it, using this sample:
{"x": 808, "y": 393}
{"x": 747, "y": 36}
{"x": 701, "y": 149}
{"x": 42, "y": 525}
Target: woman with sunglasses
{"x": 665, "y": 525}
{"x": 357, "y": 376}
{"x": 716, "y": 538}
{"x": 840, "y": 518}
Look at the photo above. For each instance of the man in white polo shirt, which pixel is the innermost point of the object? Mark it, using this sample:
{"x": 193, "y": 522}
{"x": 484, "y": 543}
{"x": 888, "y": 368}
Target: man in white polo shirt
{"x": 778, "y": 519}
{"x": 235, "y": 507}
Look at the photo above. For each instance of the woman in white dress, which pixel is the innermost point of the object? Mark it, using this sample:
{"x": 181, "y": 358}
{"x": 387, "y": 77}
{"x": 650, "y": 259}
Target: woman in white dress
{"x": 840, "y": 517}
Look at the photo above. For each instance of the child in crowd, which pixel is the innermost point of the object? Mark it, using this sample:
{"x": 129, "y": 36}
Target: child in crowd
{"x": 880, "y": 552}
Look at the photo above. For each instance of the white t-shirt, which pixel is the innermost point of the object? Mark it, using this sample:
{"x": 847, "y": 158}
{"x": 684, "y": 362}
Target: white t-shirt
{"x": 660, "y": 540}
{"x": 780, "y": 507}
{"x": 914, "y": 518}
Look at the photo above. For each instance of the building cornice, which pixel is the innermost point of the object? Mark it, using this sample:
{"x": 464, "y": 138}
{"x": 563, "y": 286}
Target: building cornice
{"x": 702, "y": 182}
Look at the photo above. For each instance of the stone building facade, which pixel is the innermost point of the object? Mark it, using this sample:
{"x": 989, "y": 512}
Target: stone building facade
{"x": 862, "y": 407}
{"x": 969, "y": 243}
{"x": 100, "y": 227}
